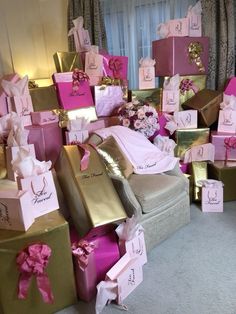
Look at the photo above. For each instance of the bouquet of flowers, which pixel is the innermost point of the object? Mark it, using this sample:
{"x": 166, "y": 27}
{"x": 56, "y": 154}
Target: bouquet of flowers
{"x": 139, "y": 117}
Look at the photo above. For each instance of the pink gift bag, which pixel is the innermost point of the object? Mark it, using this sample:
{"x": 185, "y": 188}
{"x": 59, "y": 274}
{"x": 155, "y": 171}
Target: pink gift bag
{"x": 94, "y": 67}
{"x": 178, "y": 27}
{"x": 170, "y": 100}
{"x": 146, "y": 77}
{"x": 227, "y": 121}
{"x": 115, "y": 66}
{"x": 76, "y": 136}
{"x": 43, "y": 195}
{"x": 212, "y": 196}
{"x": 22, "y": 105}
{"x": 14, "y": 77}
{"x": 43, "y": 117}
{"x": 16, "y": 210}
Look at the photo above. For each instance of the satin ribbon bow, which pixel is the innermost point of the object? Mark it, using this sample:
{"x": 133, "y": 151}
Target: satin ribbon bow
{"x": 32, "y": 261}
{"x": 229, "y": 143}
{"x": 82, "y": 250}
{"x": 78, "y": 76}
{"x": 195, "y": 50}
{"x": 187, "y": 85}
{"x": 116, "y": 66}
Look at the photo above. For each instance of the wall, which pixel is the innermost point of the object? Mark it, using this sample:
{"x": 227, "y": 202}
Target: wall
{"x": 31, "y": 32}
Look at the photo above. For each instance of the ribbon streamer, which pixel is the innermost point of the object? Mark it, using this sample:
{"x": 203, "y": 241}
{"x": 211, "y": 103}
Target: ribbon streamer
{"x": 82, "y": 250}
{"x": 195, "y": 50}
{"x": 32, "y": 261}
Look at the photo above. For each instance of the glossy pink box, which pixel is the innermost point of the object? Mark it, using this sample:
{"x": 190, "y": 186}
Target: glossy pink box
{"x": 171, "y": 55}
{"x": 231, "y": 87}
{"x": 43, "y": 117}
{"x": 217, "y": 139}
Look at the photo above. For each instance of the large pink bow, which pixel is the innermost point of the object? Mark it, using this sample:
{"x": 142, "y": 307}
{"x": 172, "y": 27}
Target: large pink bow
{"x": 187, "y": 85}
{"x": 116, "y": 66}
{"x": 82, "y": 250}
{"x": 229, "y": 143}
{"x": 32, "y": 261}
{"x": 78, "y": 76}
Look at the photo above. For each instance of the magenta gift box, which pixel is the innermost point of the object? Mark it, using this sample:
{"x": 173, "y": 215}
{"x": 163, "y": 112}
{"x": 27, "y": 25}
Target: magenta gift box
{"x": 217, "y": 139}
{"x": 47, "y": 140}
{"x": 231, "y": 87}
{"x": 173, "y": 57}
{"x": 115, "y": 66}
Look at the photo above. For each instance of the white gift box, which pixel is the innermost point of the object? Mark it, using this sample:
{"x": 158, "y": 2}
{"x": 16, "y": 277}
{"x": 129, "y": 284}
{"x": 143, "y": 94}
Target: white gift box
{"x": 186, "y": 119}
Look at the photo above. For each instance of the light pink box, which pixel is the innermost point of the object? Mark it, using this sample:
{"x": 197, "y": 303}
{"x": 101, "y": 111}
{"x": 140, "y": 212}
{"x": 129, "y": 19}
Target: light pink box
{"x": 96, "y": 125}
{"x": 146, "y": 77}
{"x": 43, "y": 195}
{"x": 76, "y": 136}
{"x": 212, "y": 199}
{"x": 231, "y": 87}
{"x": 172, "y": 56}
{"x": 227, "y": 121}
{"x": 186, "y": 119}
{"x": 178, "y": 27}
{"x": 62, "y": 77}
{"x": 115, "y": 66}
{"x": 204, "y": 152}
{"x": 217, "y": 139}
{"x": 16, "y": 210}
{"x": 3, "y": 96}
{"x": 170, "y": 100}
{"x": 11, "y": 153}
{"x": 43, "y": 117}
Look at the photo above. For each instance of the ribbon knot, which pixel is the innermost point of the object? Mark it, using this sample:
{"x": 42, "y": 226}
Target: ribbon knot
{"x": 187, "y": 85}
{"x": 32, "y": 261}
{"x": 195, "y": 50}
{"x": 116, "y": 66}
{"x": 78, "y": 76}
{"x": 82, "y": 250}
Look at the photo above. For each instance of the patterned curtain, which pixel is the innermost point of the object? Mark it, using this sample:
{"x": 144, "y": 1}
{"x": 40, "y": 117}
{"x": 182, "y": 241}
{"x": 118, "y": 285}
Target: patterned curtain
{"x": 93, "y": 21}
{"x": 219, "y": 24}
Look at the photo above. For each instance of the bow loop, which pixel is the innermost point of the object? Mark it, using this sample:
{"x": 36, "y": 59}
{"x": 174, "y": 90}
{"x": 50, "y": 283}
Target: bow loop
{"x": 78, "y": 77}
{"x": 82, "y": 250}
{"x": 187, "y": 85}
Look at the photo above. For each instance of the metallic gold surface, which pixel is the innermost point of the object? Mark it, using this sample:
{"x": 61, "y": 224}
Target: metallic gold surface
{"x": 151, "y": 96}
{"x": 44, "y": 98}
{"x": 3, "y": 169}
{"x": 195, "y": 50}
{"x": 67, "y": 61}
{"x": 199, "y": 172}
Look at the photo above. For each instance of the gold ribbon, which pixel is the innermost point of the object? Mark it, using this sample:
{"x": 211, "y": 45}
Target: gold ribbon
{"x": 107, "y": 80}
{"x": 195, "y": 49}
{"x": 63, "y": 117}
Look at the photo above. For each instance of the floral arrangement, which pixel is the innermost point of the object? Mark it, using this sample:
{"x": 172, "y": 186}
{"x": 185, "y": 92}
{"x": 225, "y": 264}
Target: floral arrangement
{"x": 139, "y": 117}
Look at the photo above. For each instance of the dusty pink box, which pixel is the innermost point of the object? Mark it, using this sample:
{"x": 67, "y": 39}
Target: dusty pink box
{"x": 212, "y": 199}
{"x": 3, "y": 97}
{"x": 231, "y": 87}
{"x": 43, "y": 117}
{"x": 47, "y": 140}
{"x": 43, "y": 195}
{"x": 115, "y": 66}
{"x": 11, "y": 153}
{"x": 172, "y": 56}
{"x": 76, "y": 136}
{"x": 16, "y": 211}
{"x": 217, "y": 139}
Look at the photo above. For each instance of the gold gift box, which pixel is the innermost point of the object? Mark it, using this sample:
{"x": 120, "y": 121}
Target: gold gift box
{"x": 190, "y": 179}
{"x": 151, "y": 96}
{"x": 207, "y": 103}
{"x": 90, "y": 194}
{"x": 225, "y": 172}
{"x": 187, "y": 138}
{"x": 44, "y": 98}
{"x": 3, "y": 167}
{"x": 198, "y": 81}
{"x": 67, "y": 61}
{"x": 51, "y": 229}
{"x": 199, "y": 172}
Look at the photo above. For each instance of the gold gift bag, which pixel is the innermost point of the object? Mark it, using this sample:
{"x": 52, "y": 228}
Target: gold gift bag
{"x": 3, "y": 168}
{"x": 199, "y": 172}
{"x": 44, "y": 98}
{"x": 151, "y": 96}
{"x": 67, "y": 61}
{"x": 91, "y": 197}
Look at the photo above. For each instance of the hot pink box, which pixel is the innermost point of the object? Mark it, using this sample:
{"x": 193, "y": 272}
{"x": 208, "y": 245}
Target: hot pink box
{"x": 115, "y": 66}
{"x": 231, "y": 87}
{"x": 43, "y": 195}
{"x": 16, "y": 211}
{"x": 47, "y": 140}
{"x": 3, "y": 97}
{"x": 217, "y": 139}
{"x": 212, "y": 199}
{"x": 43, "y": 117}
{"x": 172, "y": 57}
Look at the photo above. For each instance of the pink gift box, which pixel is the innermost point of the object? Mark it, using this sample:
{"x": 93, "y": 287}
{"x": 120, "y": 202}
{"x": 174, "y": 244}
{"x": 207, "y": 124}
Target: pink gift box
{"x": 115, "y": 66}
{"x": 227, "y": 121}
{"x": 170, "y": 100}
{"x": 3, "y": 97}
{"x": 43, "y": 195}
{"x": 47, "y": 140}
{"x": 162, "y": 121}
{"x": 43, "y": 117}
{"x": 172, "y": 56}
{"x": 16, "y": 211}
{"x": 76, "y": 136}
{"x": 231, "y": 87}
{"x": 11, "y": 153}
{"x": 218, "y": 140}
{"x": 147, "y": 77}
{"x": 178, "y": 27}
{"x": 212, "y": 199}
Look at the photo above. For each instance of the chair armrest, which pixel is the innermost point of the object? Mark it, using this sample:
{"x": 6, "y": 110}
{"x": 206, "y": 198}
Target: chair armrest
{"x": 178, "y": 173}
{"x": 127, "y": 197}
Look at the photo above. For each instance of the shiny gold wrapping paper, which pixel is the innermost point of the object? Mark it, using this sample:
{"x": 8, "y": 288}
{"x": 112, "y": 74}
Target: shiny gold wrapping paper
{"x": 207, "y": 103}
{"x": 187, "y": 138}
{"x": 53, "y": 230}
{"x": 227, "y": 174}
{"x": 3, "y": 168}
{"x": 151, "y": 96}
{"x": 44, "y": 98}
{"x": 199, "y": 172}
{"x": 190, "y": 178}
{"x": 91, "y": 197}
{"x": 67, "y": 61}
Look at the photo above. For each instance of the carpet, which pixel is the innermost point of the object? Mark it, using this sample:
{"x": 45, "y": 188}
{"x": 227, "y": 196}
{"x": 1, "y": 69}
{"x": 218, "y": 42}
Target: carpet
{"x": 192, "y": 272}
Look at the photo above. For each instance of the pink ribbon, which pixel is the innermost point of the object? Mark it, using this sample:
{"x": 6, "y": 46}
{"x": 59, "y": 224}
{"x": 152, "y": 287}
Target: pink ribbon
{"x": 84, "y": 162}
{"x": 32, "y": 261}
{"x": 229, "y": 143}
{"x": 78, "y": 76}
{"x": 82, "y": 250}
{"x": 116, "y": 66}
{"x": 187, "y": 85}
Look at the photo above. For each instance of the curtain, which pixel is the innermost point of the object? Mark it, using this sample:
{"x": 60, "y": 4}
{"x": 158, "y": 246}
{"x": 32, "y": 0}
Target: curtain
{"x": 93, "y": 21}
{"x": 219, "y": 24}
{"x": 131, "y": 27}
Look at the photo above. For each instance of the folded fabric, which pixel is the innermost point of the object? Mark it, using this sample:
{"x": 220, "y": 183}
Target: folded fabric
{"x": 145, "y": 157}
{"x": 165, "y": 144}
{"x": 18, "y": 136}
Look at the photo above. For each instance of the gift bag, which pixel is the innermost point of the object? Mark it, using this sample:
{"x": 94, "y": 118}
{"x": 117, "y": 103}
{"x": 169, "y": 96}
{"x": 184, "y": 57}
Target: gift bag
{"x": 195, "y": 20}
{"x": 170, "y": 96}
{"x": 94, "y": 65}
{"x": 227, "y": 121}
{"x": 177, "y": 28}
{"x": 146, "y": 73}
{"x": 212, "y": 196}
{"x": 81, "y": 35}
{"x": 205, "y": 152}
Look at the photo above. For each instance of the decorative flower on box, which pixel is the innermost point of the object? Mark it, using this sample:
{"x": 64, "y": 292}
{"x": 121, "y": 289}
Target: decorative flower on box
{"x": 78, "y": 77}
{"x": 139, "y": 117}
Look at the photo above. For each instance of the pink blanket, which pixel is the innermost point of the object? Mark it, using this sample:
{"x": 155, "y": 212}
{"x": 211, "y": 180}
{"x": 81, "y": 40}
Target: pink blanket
{"x": 145, "y": 157}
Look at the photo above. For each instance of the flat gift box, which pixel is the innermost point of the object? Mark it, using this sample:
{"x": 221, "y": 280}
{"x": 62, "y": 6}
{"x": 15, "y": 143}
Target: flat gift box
{"x": 225, "y": 172}
{"x": 67, "y": 61}
{"x": 187, "y": 138}
{"x": 47, "y": 140}
{"x": 199, "y": 172}
{"x": 44, "y": 98}
{"x": 153, "y": 96}
{"x": 52, "y": 230}
{"x": 181, "y": 55}
{"x": 85, "y": 191}
{"x": 207, "y": 102}
{"x": 217, "y": 139}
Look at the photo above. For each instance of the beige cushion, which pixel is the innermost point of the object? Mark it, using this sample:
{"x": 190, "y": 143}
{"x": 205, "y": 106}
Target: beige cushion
{"x": 115, "y": 161}
{"x": 155, "y": 190}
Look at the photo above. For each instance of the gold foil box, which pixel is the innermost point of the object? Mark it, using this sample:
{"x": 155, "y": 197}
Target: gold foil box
{"x": 151, "y": 96}
{"x": 199, "y": 172}
{"x": 44, "y": 98}
{"x": 187, "y": 138}
{"x": 67, "y": 61}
